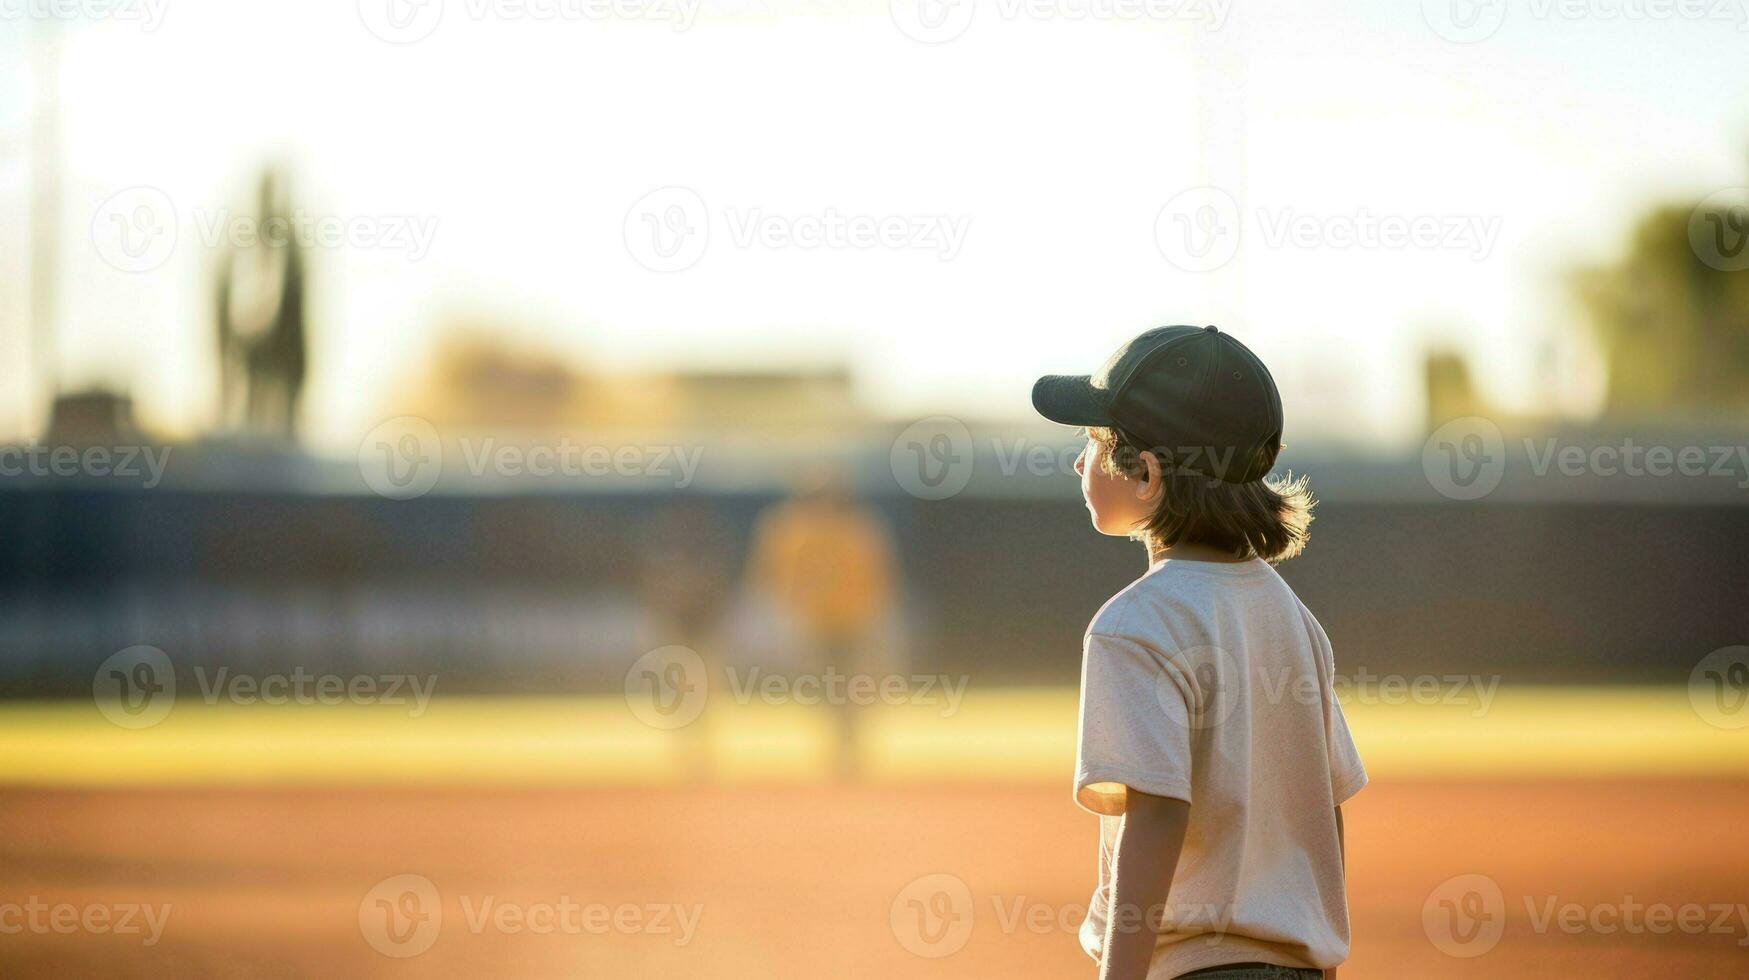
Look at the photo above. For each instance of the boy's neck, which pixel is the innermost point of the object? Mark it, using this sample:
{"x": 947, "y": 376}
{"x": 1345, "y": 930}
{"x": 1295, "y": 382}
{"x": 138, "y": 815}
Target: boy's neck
{"x": 1193, "y": 551}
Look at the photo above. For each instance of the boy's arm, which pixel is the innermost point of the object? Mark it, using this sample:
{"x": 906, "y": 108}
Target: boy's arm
{"x": 1141, "y": 876}
{"x": 1342, "y": 852}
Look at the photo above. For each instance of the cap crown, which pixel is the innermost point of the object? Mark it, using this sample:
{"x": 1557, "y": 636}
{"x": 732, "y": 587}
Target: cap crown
{"x": 1199, "y": 398}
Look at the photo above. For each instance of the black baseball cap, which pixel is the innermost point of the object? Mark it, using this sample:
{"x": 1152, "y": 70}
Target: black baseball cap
{"x": 1193, "y": 395}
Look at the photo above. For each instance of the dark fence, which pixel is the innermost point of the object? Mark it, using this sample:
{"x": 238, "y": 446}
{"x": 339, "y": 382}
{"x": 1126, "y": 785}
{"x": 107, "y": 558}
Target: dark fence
{"x": 542, "y": 592}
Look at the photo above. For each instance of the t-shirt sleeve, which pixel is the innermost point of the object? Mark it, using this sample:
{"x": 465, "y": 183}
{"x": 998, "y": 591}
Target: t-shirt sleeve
{"x": 1135, "y": 725}
{"x": 1347, "y": 774}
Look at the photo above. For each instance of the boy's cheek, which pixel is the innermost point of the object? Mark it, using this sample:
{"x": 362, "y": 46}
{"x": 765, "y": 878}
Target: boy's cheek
{"x": 1105, "y": 501}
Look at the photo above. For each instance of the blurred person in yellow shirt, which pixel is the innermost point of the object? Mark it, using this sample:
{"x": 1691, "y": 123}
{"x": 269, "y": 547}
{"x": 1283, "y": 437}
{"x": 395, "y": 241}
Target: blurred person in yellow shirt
{"x": 826, "y": 563}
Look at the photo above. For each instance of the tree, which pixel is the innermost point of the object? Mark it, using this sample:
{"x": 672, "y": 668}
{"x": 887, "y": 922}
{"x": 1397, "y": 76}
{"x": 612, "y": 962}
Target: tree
{"x": 1672, "y": 317}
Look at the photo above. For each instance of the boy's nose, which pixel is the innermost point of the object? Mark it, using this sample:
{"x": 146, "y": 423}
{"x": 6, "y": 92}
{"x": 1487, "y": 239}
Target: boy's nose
{"x": 1081, "y": 463}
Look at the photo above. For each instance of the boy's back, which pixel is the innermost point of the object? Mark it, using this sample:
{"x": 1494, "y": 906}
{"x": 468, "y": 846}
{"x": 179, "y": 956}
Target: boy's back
{"x": 1212, "y": 745}
{"x": 1209, "y": 682}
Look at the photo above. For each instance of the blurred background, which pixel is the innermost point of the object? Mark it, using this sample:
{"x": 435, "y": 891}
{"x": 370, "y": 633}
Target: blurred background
{"x": 550, "y": 487}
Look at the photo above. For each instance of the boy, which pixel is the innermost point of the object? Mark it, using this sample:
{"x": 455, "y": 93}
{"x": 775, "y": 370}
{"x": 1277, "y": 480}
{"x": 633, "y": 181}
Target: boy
{"x": 1211, "y": 744}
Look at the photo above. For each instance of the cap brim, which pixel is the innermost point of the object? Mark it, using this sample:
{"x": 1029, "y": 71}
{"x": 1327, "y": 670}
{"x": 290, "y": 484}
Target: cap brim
{"x": 1070, "y": 399}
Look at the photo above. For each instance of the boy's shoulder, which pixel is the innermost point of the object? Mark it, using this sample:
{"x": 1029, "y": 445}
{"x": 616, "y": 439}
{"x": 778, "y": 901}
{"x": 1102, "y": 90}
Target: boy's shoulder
{"x": 1137, "y": 610}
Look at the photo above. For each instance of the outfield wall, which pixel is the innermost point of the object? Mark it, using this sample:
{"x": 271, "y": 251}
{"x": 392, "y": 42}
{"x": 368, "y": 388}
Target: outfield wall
{"x": 541, "y": 593}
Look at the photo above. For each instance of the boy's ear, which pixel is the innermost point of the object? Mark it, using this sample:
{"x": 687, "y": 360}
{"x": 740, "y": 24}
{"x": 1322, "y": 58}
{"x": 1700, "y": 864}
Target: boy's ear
{"x": 1152, "y": 483}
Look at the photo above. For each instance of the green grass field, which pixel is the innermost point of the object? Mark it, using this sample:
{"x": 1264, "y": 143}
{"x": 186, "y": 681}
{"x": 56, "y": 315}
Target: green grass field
{"x": 996, "y": 734}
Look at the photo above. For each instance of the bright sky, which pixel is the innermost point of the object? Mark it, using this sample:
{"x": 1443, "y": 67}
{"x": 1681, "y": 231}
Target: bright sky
{"x": 1025, "y": 164}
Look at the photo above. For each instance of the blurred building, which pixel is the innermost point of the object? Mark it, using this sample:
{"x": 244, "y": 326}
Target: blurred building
{"x": 476, "y": 382}
{"x": 1450, "y": 392}
{"x": 92, "y": 418}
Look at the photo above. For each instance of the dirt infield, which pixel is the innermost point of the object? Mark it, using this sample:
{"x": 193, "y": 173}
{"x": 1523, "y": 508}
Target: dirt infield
{"x": 818, "y": 881}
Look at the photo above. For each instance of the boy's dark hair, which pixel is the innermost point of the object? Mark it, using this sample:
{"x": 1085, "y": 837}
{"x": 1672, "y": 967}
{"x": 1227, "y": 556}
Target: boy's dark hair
{"x": 1262, "y": 519}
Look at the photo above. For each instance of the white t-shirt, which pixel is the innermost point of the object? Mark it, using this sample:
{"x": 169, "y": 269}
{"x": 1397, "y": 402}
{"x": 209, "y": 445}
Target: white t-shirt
{"x": 1212, "y": 683}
